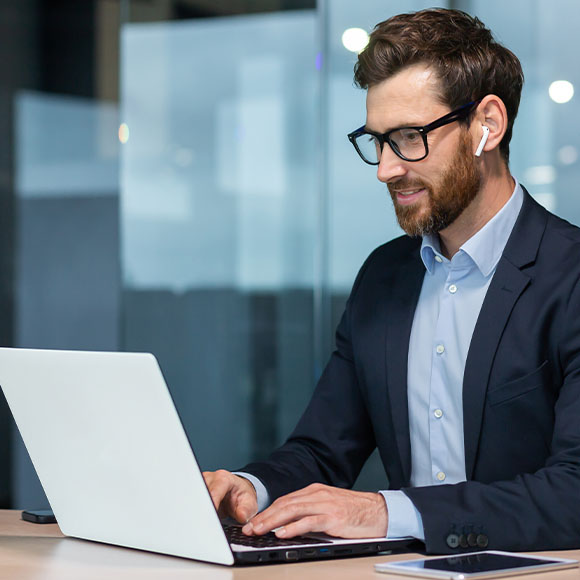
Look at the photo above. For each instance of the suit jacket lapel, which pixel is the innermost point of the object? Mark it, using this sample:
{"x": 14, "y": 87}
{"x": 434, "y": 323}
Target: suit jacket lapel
{"x": 405, "y": 293}
{"x": 506, "y": 287}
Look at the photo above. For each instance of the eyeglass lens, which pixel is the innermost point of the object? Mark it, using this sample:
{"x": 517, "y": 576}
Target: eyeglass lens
{"x": 408, "y": 142}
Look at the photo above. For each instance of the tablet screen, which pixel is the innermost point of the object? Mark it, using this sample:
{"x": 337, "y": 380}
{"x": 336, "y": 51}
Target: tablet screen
{"x": 477, "y": 564}
{"x": 482, "y": 562}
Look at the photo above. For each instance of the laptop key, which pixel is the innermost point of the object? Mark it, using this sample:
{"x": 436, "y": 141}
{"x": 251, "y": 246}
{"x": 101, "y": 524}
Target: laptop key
{"x": 235, "y": 535}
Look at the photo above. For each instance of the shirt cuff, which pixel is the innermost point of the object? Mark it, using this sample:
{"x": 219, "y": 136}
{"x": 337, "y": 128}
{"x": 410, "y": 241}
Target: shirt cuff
{"x": 404, "y": 518}
{"x": 262, "y": 494}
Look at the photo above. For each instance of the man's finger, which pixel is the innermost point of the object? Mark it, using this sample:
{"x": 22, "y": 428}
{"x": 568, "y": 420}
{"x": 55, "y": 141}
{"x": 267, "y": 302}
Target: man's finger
{"x": 282, "y": 514}
{"x": 244, "y": 507}
{"x": 218, "y": 488}
{"x": 317, "y": 523}
{"x": 231, "y": 495}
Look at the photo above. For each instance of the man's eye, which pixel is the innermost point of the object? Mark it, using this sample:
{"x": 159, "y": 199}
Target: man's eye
{"x": 410, "y": 136}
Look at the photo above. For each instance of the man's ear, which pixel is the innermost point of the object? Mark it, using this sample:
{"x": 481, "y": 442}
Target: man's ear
{"x": 491, "y": 113}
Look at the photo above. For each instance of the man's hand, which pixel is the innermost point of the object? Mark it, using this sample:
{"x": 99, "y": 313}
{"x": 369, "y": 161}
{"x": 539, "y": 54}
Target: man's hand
{"x": 319, "y": 508}
{"x": 232, "y": 495}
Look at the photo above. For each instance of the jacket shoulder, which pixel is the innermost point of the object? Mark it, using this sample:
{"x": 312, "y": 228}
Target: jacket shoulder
{"x": 562, "y": 228}
{"x": 385, "y": 260}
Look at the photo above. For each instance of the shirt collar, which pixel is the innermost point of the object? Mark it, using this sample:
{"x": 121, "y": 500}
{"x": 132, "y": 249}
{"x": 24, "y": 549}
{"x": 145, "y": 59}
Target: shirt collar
{"x": 431, "y": 251}
{"x": 486, "y": 246}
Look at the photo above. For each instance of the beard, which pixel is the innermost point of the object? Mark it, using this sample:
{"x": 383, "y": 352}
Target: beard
{"x": 456, "y": 189}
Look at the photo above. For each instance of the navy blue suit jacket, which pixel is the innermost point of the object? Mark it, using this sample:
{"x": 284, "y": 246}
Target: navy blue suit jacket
{"x": 521, "y": 395}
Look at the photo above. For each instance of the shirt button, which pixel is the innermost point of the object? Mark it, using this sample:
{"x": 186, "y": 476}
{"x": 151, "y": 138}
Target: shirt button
{"x": 440, "y": 349}
{"x": 438, "y": 259}
{"x": 453, "y": 288}
{"x": 441, "y": 476}
{"x": 438, "y": 413}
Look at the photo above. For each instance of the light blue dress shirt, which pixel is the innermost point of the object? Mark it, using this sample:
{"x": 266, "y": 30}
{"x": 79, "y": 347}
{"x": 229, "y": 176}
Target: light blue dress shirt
{"x": 451, "y": 298}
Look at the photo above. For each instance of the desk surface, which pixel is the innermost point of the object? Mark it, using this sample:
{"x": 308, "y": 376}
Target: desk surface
{"x": 29, "y": 551}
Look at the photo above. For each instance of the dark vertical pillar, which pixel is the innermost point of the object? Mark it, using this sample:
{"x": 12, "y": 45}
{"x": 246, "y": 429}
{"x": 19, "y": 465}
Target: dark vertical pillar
{"x": 67, "y": 34}
{"x": 18, "y": 70}
{"x": 48, "y": 46}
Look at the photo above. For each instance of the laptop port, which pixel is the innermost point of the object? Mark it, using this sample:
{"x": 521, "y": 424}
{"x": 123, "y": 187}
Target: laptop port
{"x": 342, "y": 551}
{"x": 292, "y": 555}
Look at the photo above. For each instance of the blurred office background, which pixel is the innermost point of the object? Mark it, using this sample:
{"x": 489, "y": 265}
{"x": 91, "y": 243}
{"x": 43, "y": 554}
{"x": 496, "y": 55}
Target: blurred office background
{"x": 176, "y": 178}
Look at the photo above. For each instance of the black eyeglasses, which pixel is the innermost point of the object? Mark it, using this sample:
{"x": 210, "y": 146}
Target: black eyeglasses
{"x": 409, "y": 143}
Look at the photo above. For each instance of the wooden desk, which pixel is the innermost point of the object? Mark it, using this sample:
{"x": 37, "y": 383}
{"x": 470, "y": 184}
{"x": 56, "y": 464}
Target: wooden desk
{"x": 39, "y": 551}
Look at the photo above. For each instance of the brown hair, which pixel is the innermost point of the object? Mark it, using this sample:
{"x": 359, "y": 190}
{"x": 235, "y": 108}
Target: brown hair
{"x": 468, "y": 61}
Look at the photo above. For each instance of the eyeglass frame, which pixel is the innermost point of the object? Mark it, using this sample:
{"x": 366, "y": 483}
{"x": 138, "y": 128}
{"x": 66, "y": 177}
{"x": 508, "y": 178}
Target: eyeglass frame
{"x": 455, "y": 115}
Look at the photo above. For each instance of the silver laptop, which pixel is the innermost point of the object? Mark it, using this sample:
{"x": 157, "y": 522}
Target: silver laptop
{"x": 116, "y": 464}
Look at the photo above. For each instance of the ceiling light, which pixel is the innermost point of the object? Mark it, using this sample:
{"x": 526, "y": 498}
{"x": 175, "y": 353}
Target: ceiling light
{"x": 355, "y": 39}
{"x": 568, "y": 155}
{"x": 123, "y": 133}
{"x": 561, "y": 91}
{"x": 540, "y": 175}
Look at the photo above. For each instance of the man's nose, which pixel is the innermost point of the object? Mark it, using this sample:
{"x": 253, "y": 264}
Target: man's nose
{"x": 391, "y": 166}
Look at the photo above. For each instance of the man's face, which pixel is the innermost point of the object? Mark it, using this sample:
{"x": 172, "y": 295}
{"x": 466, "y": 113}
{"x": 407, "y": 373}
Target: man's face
{"x": 428, "y": 195}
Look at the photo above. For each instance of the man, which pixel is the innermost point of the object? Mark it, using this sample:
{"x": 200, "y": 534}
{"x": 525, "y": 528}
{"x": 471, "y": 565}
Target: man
{"x": 458, "y": 354}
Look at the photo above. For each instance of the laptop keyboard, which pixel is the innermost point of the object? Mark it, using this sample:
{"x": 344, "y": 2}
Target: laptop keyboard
{"x": 235, "y": 535}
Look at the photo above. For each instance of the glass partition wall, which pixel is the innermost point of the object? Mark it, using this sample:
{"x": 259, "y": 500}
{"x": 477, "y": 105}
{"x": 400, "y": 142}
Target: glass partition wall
{"x": 219, "y": 205}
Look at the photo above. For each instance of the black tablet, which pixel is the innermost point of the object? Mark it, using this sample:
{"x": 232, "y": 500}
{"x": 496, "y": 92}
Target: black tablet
{"x": 489, "y": 564}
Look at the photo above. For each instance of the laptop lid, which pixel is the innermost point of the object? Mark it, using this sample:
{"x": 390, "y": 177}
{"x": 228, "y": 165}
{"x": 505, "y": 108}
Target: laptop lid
{"x": 110, "y": 451}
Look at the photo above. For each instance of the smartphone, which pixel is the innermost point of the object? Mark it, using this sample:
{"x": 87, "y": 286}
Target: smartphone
{"x": 39, "y": 516}
{"x": 489, "y": 564}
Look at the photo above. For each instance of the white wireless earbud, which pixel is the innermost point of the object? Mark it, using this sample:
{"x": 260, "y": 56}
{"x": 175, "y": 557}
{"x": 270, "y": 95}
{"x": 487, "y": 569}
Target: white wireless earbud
{"x": 483, "y": 140}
